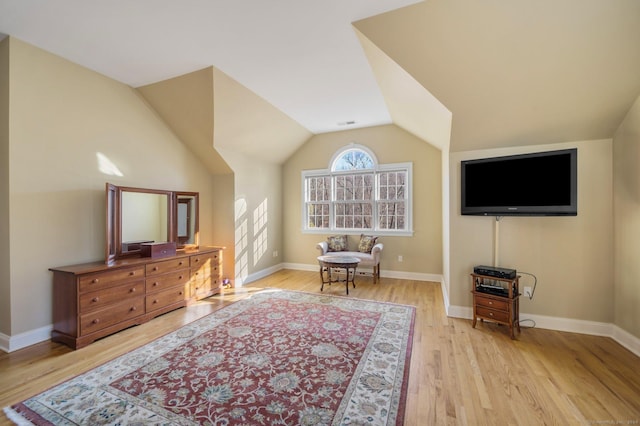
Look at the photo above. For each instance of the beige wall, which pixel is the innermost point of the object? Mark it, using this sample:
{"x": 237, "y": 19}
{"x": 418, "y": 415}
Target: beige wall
{"x": 422, "y": 253}
{"x": 5, "y": 288}
{"x": 186, "y": 104}
{"x": 61, "y": 115}
{"x": 257, "y": 215}
{"x": 223, "y": 220}
{"x": 572, "y": 257}
{"x": 626, "y": 187}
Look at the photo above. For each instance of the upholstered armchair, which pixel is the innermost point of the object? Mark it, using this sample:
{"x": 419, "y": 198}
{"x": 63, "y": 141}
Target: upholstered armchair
{"x": 368, "y": 259}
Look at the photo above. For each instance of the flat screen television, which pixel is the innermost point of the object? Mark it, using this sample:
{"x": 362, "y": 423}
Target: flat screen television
{"x": 534, "y": 184}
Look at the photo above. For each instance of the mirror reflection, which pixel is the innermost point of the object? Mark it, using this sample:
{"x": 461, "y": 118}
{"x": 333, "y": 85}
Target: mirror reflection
{"x": 144, "y": 219}
{"x": 186, "y": 218}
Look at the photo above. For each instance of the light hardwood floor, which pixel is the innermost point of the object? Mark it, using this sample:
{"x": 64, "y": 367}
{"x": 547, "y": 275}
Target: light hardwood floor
{"x": 459, "y": 375}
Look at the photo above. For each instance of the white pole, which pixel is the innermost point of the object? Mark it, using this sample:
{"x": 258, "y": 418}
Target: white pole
{"x": 496, "y": 242}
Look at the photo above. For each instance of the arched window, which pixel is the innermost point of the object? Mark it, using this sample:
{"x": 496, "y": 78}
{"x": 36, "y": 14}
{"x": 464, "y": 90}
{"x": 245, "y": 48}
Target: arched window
{"x": 356, "y": 193}
{"x": 354, "y": 157}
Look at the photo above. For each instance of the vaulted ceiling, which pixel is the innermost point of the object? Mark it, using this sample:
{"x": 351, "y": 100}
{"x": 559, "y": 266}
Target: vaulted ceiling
{"x": 519, "y": 72}
{"x": 495, "y": 72}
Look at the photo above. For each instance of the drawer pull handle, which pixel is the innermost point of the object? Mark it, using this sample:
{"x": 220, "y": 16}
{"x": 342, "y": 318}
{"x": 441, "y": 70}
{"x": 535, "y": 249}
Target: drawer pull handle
{"x": 490, "y": 314}
{"x": 133, "y": 290}
{"x": 180, "y": 263}
{"x": 196, "y": 260}
{"x": 491, "y": 303}
{"x": 132, "y": 273}
{"x": 181, "y": 293}
{"x": 155, "y": 301}
{"x": 95, "y": 321}
{"x": 95, "y": 280}
{"x": 155, "y": 284}
{"x": 95, "y": 299}
{"x": 155, "y": 268}
{"x": 180, "y": 277}
{"x": 133, "y": 308}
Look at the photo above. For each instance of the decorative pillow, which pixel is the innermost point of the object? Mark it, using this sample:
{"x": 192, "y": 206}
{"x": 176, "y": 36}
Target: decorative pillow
{"x": 366, "y": 243}
{"x": 337, "y": 243}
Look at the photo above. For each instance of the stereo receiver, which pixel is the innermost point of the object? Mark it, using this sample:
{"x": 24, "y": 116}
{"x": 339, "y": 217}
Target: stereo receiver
{"x": 494, "y": 271}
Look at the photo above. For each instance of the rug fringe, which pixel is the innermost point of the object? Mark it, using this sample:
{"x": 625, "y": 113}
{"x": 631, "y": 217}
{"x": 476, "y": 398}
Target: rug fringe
{"x": 16, "y": 418}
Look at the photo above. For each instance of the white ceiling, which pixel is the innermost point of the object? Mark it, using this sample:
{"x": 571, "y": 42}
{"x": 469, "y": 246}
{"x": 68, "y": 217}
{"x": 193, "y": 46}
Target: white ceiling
{"x": 301, "y": 56}
{"x": 510, "y": 72}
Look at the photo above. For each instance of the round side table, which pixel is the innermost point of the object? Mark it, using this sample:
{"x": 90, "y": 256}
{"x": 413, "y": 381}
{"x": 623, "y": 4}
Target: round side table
{"x": 331, "y": 265}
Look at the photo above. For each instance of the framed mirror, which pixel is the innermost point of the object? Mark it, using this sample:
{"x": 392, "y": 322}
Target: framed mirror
{"x": 138, "y": 215}
{"x": 187, "y": 219}
{"x": 110, "y": 247}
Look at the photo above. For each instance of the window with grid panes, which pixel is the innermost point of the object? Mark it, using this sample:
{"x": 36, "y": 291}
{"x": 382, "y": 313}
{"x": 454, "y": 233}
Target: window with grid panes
{"x": 358, "y": 194}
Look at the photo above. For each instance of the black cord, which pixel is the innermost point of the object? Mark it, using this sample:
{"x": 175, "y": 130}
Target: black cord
{"x": 533, "y": 290}
{"x": 528, "y": 320}
{"x": 535, "y": 283}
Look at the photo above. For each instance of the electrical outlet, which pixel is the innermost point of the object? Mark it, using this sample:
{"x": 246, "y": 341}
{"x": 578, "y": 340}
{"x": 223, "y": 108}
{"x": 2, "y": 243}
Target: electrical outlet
{"x": 400, "y": 258}
{"x": 275, "y": 253}
{"x": 527, "y": 292}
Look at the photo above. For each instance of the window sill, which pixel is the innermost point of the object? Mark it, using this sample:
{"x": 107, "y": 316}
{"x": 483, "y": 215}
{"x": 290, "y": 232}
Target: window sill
{"x": 380, "y": 233}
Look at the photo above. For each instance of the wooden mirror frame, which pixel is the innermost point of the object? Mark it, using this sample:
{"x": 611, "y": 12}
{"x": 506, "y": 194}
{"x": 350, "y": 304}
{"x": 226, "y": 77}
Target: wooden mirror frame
{"x": 114, "y": 244}
{"x": 192, "y": 224}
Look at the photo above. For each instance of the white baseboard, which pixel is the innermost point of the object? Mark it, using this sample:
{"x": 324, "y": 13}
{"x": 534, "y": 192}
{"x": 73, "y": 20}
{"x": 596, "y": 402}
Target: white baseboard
{"x": 465, "y": 312}
{"x": 300, "y": 266}
{"x": 571, "y": 325}
{"x": 240, "y": 281}
{"x": 4, "y": 342}
{"x": 22, "y": 340}
{"x": 626, "y": 339}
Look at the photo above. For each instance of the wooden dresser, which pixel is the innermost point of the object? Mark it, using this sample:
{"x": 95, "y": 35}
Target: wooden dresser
{"x": 93, "y": 300}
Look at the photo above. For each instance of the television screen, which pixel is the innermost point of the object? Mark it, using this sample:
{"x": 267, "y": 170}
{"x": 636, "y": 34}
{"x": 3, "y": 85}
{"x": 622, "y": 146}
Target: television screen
{"x": 535, "y": 184}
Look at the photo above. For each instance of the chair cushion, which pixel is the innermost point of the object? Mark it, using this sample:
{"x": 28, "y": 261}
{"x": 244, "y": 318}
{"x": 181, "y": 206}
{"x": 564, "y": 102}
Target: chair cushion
{"x": 337, "y": 243}
{"x": 366, "y": 259}
{"x": 366, "y": 243}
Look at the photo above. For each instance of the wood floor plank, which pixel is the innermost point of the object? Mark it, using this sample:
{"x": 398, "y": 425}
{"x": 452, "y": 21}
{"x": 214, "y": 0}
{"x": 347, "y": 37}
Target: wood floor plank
{"x": 458, "y": 375}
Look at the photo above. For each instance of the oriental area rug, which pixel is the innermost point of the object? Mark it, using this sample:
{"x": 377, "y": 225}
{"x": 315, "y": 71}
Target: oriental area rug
{"x": 276, "y": 358}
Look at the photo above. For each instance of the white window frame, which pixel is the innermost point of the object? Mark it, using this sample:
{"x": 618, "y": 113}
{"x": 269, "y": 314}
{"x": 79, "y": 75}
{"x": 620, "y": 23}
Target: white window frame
{"x": 376, "y": 170}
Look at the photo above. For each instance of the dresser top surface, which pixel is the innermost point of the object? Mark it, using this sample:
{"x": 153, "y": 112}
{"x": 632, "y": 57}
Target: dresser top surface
{"x": 101, "y": 266}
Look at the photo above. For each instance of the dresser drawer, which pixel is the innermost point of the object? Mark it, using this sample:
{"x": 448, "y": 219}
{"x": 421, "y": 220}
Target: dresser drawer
{"x": 158, "y": 268}
{"x": 205, "y": 271}
{"x": 205, "y": 287}
{"x": 98, "y": 299}
{"x": 98, "y": 281}
{"x": 209, "y": 259}
{"x": 166, "y": 297}
{"x": 111, "y": 315}
{"x": 161, "y": 282}
{"x": 500, "y": 316}
{"x": 201, "y": 290}
{"x": 492, "y": 303}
